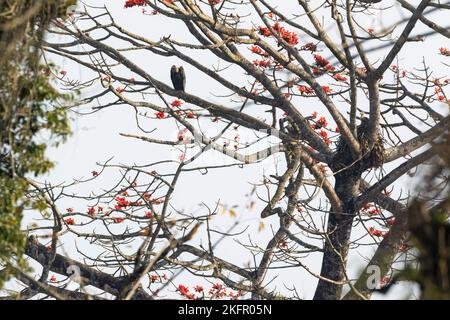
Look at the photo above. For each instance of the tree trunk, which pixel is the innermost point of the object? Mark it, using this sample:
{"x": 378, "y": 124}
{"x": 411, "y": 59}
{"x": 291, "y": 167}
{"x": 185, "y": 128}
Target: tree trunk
{"x": 339, "y": 230}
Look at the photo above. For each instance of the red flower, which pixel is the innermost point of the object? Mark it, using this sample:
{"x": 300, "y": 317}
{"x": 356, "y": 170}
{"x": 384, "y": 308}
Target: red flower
{"x": 121, "y": 202}
{"x": 154, "y": 278}
{"x": 217, "y": 286}
{"x": 391, "y": 221}
{"x": 118, "y": 220}
{"x": 262, "y": 63}
{"x": 160, "y": 115}
{"x": 264, "y": 31}
{"x": 91, "y": 211}
{"x": 214, "y": 2}
{"x": 63, "y": 72}
{"x": 322, "y": 122}
{"x": 70, "y": 221}
{"x": 314, "y": 115}
{"x": 288, "y": 36}
{"x": 190, "y": 114}
{"x": 258, "y": 50}
{"x": 321, "y": 61}
{"x": 444, "y": 52}
{"x": 370, "y": 30}
{"x": 329, "y": 67}
{"x": 323, "y": 134}
{"x": 337, "y": 130}
{"x": 375, "y": 232}
{"x": 183, "y": 290}
{"x": 305, "y": 90}
{"x": 198, "y": 288}
{"x": 316, "y": 71}
{"x": 69, "y": 210}
{"x": 132, "y": 3}
{"x": 339, "y": 77}
{"x": 374, "y": 212}
{"x": 53, "y": 278}
{"x": 120, "y": 90}
{"x": 327, "y": 89}
{"x": 176, "y": 103}
{"x": 94, "y": 173}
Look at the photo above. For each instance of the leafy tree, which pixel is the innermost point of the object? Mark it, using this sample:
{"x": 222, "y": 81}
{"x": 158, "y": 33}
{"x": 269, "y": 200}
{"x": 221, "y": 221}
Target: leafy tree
{"x": 350, "y": 118}
{"x": 29, "y": 109}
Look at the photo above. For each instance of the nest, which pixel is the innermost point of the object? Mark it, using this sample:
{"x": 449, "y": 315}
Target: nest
{"x": 368, "y": 158}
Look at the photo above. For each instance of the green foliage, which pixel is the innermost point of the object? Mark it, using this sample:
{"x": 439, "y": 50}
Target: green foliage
{"x": 31, "y": 115}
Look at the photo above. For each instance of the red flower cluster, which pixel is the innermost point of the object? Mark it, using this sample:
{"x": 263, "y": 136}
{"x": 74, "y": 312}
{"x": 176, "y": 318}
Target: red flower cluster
{"x": 327, "y": 89}
{"x": 323, "y": 63}
{"x": 258, "y": 50}
{"x": 198, "y": 288}
{"x": 288, "y": 36}
{"x": 339, "y": 77}
{"x": 265, "y": 63}
{"x": 118, "y": 220}
{"x": 371, "y": 210}
{"x": 391, "y": 221}
{"x": 190, "y": 115}
{"x": 305, "y": 90}
{"x": 184, "y": 291}
{"x": 218, "y": 291}
{"x": 153, "y": 278}
{"x": 121, "y": 203}
{"x": 160, "y": 115}
{"x": 176, "y": 103}
{"x": 132, "y": 3}
{"x": 214, "y": 2}
{"x": 91, "y": 211}
{"x": 376, "y": 232}
{"x": 70, "y": 221}
{"x": 444, "y": 51}
{"x": 322, "y": 122}
{"x": 264, "y": 31}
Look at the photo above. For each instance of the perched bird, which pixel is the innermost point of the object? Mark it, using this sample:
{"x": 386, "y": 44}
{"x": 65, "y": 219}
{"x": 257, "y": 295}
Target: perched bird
{"x": 178, "y": 78}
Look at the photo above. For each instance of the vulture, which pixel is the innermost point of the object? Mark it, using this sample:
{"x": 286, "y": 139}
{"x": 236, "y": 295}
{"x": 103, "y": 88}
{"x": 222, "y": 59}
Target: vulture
{"x": 178, "y": 78}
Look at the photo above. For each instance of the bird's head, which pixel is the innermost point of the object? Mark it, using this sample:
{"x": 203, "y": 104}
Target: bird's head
{"x": 174, "y": 68}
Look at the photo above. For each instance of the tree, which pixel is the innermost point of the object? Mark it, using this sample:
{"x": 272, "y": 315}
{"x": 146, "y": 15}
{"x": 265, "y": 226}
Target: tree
{"x": 28, "y": 106}
{"x": 350, "y": 120}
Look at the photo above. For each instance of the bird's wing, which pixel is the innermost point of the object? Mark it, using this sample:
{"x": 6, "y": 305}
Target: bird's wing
{"x": 182, "y": 77}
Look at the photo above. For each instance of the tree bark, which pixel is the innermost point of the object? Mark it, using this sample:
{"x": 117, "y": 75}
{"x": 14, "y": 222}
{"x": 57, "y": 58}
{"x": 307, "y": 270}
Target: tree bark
{"x": 339, "y": 231}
